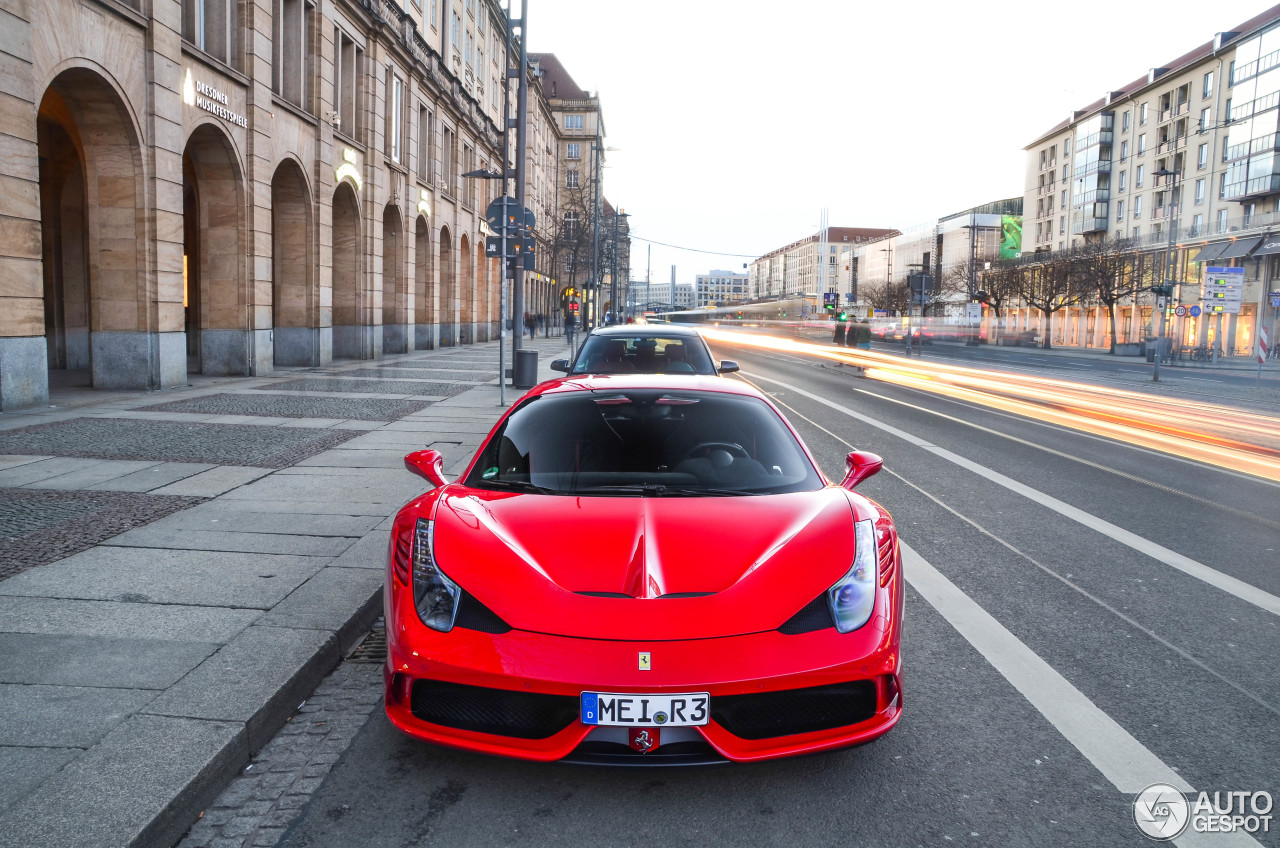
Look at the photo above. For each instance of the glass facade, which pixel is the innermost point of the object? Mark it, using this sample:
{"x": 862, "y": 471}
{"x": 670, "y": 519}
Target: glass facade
{"x": 1091, "y": 174}
{"x": 1253, "y": 168}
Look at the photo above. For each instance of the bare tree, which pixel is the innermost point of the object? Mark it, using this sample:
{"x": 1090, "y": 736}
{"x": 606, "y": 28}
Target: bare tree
{"x": 571, "y": 236}
{"x": 1001, "y": 284}
{"x": 1052, "y": 286}
{"x": 1112, "y": 271}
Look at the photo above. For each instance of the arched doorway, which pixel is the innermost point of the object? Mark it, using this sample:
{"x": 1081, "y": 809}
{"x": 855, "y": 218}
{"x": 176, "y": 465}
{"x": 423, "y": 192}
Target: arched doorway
{"x": 97, "y": 327}
{"x": 448, "y": 292}
{"x": 395, "y": 295}
{"x": 294, "y": 312}
{"x": 352, "y": 338}
{"x": 466, "y": 294}
{"x": 483, "y": 286}
{"x": 424, "y": 289}
{"x": 219, "y": 330}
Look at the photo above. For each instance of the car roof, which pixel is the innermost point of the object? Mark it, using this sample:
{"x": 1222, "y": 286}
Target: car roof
{"x": 674, "y": 382}
{"x": 654, "y": 330}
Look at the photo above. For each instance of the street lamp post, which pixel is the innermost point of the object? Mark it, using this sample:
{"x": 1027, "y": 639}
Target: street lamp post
{"x": 1166, "y": 287}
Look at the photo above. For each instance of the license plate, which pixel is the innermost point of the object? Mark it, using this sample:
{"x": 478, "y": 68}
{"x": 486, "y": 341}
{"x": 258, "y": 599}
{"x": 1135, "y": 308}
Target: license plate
{"x": 626, "y": 710}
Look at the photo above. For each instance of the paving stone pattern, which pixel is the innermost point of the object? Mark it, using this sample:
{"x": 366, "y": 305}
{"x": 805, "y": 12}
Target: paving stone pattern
{"x": 388, "y": 371}
{"x": 38, "y": 526}
{"x": 470, "y": 369}
{"x": 259, "y": 805}
{"x": 294, "y": 406}
{"x": 166, "y": 441}
{"x": 373, "y": 387}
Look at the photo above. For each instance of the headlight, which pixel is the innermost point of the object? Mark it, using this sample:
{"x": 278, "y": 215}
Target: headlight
{"x": 434, "y": 594}
{"x": 854, "y": 596}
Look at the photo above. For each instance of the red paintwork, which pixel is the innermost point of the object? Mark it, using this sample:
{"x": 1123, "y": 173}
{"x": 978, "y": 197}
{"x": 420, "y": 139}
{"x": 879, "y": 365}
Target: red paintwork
{"x": 762, "y": 558}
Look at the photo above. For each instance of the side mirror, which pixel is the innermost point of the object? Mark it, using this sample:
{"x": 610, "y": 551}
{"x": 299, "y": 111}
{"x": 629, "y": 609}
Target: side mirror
{"x": 859, "y": 465}
{"x": 428, "y": 464}
{"x": 560, "y": 365}
{"x": 728, "y": 366}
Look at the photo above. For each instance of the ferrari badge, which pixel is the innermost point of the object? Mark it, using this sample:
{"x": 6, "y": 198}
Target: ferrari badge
{"x": 643, "y": 739}
{"x": 644, "y": 661}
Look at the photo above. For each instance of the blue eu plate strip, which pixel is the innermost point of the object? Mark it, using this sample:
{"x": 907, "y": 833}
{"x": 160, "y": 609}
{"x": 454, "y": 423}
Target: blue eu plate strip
{"x": 590, "y": 708}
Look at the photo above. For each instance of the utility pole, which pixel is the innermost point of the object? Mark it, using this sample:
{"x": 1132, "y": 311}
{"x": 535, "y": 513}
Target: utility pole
{"x": 522, "y": 124}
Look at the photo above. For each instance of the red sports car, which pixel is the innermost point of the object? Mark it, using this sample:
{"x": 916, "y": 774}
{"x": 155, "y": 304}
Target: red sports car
{"x": 643, "y": 569}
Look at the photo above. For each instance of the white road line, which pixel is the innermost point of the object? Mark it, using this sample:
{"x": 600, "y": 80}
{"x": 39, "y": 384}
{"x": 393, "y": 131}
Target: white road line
{"x": 1231, "y": 585}
{"x": 1123, "y": 760}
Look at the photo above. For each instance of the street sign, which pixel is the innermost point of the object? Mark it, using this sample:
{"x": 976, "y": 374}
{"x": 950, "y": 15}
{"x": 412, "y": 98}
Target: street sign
{"x": 1275, "y": 301}
{"x": 1180, "y": 310}
{"x": 848, "y": 296}
{"x": 973, "y": 312}
{"x": 1223, "y": 289}
{"x": 1194, "y": 311}
{"x": 829, "y": 297}
{"x": 505, "y": 213}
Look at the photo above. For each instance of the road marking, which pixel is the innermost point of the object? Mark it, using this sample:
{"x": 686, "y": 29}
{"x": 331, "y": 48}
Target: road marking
{"x": 1128, "y": 764}
{"x": 1231, "y": 585}
{"x": 1202, "y": 379}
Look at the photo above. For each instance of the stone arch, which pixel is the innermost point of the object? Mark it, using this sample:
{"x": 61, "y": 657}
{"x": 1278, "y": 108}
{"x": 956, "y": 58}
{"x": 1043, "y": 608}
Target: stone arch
{"x": 483, "y": 287}
{"x": 219, "y": 326}
{"x": 352, "y": 330}
{"x": 424, "y": 287}
{"x": 448, "y": 292}
{"x": 466, "y": 293}
{"x": 395, "y": 289}
{"x": 294, "y": 290}
{"x": 97, "y": 314}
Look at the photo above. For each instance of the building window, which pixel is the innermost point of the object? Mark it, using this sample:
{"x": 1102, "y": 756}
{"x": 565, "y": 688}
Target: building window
{"x": 1137, "y": 177}
{"x": 1142, "y": 115}
{"x": 434, "y": 14}
{"x": 426, "y": 138}
{"x": 573, "y": 150}
{"x": 1202, "y": 156}
{"x": 446, "y": 173}
{"x": 573, "y": 122}
{"x": 1142, "y": 143}
{"x": 1124, "y": 178}
{"x": 1206, "y": 118}
{"x": 346, "y": 79}
{"x": 1124, "y": 150}
{"x": 1199, "y": 191}
{"x": 1124, "y": 121}
{"x": 1062, "y": 225}
{"x": 1222, "y": 220}
{"x": 1225, "y": 148}
{"x": 571, "y": 179}
{"x": 213, "y": 26}
{"x": 293, "y": 22}
{"x": 1137, "y": 207}
{"x": 1207, "y": 90}
{"x": 1119, "y": 210}
{"x": 1197, "y": 225}
{"x": 395, "y": 117}
{"x": 1064, "y": 198}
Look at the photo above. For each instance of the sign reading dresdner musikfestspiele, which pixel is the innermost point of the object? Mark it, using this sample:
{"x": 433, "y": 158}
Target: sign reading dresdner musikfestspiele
{"x": 210, "y": 99}
{"x": 1223, "y": 290}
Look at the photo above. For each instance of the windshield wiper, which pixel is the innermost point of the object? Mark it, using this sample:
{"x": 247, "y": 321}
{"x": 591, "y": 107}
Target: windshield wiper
{"x": 517, "y": 486}
{"x": 659, "y": 490}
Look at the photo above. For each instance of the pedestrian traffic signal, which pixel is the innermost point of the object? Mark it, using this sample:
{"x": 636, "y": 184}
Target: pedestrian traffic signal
{"x": 573, "y": 307}
{"x": 842, "y": 317}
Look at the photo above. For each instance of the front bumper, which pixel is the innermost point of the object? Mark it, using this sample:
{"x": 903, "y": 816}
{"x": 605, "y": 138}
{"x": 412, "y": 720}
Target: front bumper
{"x": 515, "y": 694}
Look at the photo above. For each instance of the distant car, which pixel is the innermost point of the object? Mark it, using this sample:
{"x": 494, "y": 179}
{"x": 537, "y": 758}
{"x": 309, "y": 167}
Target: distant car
{"x": 644, "y": 349}
{"x": 643, "y": 569}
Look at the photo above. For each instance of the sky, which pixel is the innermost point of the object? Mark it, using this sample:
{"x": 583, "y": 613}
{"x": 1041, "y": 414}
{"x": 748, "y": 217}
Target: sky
{"x": 736, "y": 123}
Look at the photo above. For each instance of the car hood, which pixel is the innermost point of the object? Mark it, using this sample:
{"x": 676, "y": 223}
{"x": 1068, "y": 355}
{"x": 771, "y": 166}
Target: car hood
{"x": 644, "y": 568}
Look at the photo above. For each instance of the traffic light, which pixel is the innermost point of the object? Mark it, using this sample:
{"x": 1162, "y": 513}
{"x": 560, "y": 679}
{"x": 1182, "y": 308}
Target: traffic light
{"x": 573, "y": 307}
{"x": 983, "y": 298}
{"x": 842, "y": 317}
{"x": 1162, "y": 291}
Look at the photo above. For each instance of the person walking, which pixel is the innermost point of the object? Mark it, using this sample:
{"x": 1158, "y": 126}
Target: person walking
{"x": 840, "y": 333}
{"x": 860, "y": 335}
{"x": 530, "y": 324}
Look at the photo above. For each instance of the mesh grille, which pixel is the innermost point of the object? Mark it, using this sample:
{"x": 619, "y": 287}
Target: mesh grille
{"x": 769, "y": 714}
{"x": 814, "y": 616}
{"x": 524, "y": 715}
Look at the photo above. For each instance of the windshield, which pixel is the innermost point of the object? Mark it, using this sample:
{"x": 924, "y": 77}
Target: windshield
{"x": 648, "y": 443}
{"x": 644, "y": 353}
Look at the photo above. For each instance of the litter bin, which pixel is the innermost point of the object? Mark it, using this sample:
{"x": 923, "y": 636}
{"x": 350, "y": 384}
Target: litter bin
{"x": 1150, "y": 344}
{"x": 525, "y": 373}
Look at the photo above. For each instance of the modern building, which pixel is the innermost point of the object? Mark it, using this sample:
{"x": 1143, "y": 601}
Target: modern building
{"x": 200, "y": 186}
{"x": 795, "y": 268}
{"x": 657, "y": 297}
{"x": 952, "y": 250}
{"x": 721, "y": 288}
{"x": 1188, "y": 146}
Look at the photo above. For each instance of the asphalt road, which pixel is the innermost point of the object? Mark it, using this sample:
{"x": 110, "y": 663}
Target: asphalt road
{"x": 1084, "y": 618}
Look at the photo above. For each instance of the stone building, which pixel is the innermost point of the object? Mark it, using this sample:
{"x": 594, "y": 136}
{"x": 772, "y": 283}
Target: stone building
{"x": 794, "y": 269}
{"x": 221, "y": 187}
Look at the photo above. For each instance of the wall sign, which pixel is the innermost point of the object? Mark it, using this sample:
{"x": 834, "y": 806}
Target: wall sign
{"x": 210, "y": 99}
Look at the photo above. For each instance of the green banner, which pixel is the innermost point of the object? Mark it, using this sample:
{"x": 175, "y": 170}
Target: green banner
{"x": 1010, "y": 236}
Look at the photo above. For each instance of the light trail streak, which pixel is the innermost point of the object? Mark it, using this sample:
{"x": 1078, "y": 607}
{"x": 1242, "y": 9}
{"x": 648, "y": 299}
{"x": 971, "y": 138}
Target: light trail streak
{"x": 1246, "y": 442}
